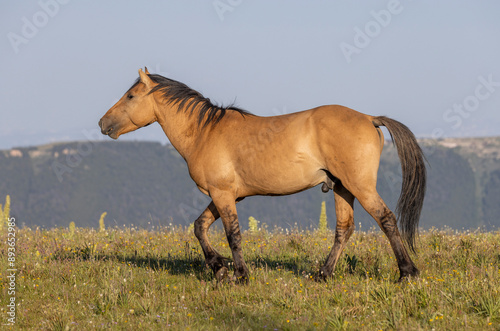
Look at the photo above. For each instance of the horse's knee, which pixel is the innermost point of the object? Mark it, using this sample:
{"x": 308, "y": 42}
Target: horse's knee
{"x": 199, "y": 227}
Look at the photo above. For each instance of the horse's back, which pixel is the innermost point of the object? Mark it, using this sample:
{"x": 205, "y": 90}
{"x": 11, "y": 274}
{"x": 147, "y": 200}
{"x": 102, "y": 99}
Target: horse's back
{"x": 287, "y": 153}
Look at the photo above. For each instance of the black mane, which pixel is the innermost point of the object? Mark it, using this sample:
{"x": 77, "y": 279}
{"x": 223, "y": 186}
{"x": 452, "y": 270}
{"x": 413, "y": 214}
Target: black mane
{"x": 188, "y": 100}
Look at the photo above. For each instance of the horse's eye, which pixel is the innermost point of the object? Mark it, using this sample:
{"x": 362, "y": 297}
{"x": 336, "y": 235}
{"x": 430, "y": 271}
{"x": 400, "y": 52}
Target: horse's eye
{"x": 130, "y": 96}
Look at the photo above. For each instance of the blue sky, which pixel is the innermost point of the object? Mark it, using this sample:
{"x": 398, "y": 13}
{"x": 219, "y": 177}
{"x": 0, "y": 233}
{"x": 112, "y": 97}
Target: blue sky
{"x": 432, "y": 65}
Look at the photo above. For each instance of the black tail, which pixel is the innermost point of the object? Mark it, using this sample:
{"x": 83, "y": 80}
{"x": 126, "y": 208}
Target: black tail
{"x": 412, "y": 160}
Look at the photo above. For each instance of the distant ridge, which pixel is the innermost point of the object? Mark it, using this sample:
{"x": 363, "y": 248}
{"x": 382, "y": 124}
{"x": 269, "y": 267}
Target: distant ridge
{"x": 146, "y": 184}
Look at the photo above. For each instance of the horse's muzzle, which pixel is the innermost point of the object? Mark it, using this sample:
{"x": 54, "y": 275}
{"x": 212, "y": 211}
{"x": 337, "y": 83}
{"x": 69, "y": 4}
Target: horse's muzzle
{"x": 107, "y": 127}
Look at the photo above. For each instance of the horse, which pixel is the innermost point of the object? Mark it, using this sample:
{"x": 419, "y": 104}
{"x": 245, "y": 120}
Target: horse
{"x": 232, "y": 154}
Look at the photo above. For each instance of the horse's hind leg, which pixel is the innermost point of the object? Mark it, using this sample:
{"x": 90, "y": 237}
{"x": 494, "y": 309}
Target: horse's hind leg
{"x": 385, "y": 218}
{"x": 214, "y": 260}
{"x": 345, "y": 227}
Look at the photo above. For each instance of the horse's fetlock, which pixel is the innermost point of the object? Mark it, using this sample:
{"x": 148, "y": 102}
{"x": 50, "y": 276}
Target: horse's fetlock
{"x": 216, "y": 263}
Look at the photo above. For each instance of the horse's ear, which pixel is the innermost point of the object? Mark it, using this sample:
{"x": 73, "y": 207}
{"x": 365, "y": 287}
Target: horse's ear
{"x": 145, "y": 79}
{"x": 146, "y": 70}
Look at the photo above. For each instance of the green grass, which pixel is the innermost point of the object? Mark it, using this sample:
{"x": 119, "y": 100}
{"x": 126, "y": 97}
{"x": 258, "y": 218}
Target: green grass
{"x": 137, "y": 279}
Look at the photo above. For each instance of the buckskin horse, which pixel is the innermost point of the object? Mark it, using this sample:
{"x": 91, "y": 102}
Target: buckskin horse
{"x": 232, "y": 154}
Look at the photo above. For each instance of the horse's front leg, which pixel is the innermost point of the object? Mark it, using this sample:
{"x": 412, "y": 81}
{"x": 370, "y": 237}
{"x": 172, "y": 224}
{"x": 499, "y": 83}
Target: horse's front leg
{"x": 226, "y": 205}
{"x": 212, "y": 258}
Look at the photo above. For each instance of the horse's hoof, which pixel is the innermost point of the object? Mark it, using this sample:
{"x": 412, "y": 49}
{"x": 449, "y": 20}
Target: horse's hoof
{"x": 222, "y": 274}
{"x": 408, "y": 275}
{"x": 320, "y": 277}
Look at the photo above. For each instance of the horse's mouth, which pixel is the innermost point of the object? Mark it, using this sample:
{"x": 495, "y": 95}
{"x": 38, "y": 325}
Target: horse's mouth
{"x": 108, "y": 130}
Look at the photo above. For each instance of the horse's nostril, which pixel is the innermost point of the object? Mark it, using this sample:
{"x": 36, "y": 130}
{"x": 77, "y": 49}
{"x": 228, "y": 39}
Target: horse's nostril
{"x": 109, "y": 130}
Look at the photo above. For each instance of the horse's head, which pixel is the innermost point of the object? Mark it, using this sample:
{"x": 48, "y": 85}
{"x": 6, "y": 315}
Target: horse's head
{"x": 134, "y": 110}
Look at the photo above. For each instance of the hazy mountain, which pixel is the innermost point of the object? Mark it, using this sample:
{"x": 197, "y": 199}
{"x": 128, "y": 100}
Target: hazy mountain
{"x": 148, "y": 184}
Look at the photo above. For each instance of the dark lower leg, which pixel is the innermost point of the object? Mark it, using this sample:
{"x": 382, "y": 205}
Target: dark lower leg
{"x": 233, "y": 234}
{"x": 344, "y": 229}
{"x": 212, "y": 258}
{"x": 341, "y": 237}
{"x": 388, "y": 224}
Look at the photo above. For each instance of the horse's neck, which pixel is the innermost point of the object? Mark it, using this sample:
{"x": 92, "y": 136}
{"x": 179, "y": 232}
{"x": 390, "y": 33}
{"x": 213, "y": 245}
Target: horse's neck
{"x": 180, "y": 127}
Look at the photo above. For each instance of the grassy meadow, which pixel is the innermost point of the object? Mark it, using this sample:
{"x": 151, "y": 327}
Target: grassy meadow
{"x": 129, "y": 279}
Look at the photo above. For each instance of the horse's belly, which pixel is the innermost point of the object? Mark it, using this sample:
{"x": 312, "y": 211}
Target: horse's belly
{"x": 280, "y": 181}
